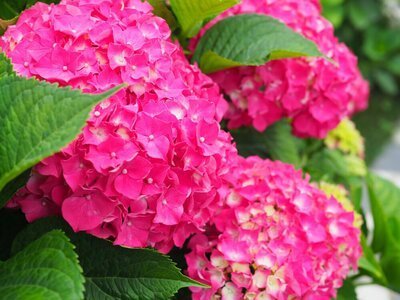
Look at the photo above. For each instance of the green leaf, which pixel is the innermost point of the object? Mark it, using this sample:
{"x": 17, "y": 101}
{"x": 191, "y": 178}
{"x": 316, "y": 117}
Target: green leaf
{"x": 114, "y": 272}
{"x": 12, "y": 8}
{"x": 277, "y": 142}
{"x": 193, "y": 14}
{"x": 386, "y": 81}
{"x": 47, "y": 268}
{"x": 363, "y": 13}
{"x": 390, "y": 262}
{"x": 249, "y": 40}
{"x": 161, "y": 9}
{"x": 13, "y": 186}
{"x": 384, "y": 199}
{"x": 5, "y": 66}
{"x": 347, "y": 291}
{"x": 282, "y": 145}
{"x": 37, "y": 119}
{"x": 370, "y": 265}
{"x": 326, "y": 165}
{"x": 5, "y": 23}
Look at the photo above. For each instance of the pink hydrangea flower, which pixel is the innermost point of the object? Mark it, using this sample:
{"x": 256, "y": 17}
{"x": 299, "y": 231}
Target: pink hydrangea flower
{"x": 315, "y": 93}
{"x": 146, "y": 169}
{"x": 276, "y": 236}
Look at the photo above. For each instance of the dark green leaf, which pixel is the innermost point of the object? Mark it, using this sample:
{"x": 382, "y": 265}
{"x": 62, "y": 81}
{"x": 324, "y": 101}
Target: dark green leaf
{"x": 47, "y": 268}
{"x": 347, "y": 291}
{"x": 13, "y": 186}
{"x": 37, "y": 119}
{"x": 277, "y": 142}
{"x": 282, "y": 145}
{"x": 114, "y": 272}
{"x": 249, "y": 40}
{"x": 193, "y": 14}
{"x": 161, "y": 9}
{"x": 326, "y": 165}
{"x": 12, "y": 8}
{"x": 363, "y": 13}
{"x": 11, "y": 222}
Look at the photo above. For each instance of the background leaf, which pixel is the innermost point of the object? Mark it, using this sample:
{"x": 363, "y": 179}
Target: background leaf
{"x": 161, "y": 9}
{"x": 193, "y": 14}
{"x": 12, "y": 8}
{"x": 36, "y": 120}
{"x": 347, "y": 291}
{"x": 114, "y": 272}
{"x": 47, "y": 268}
{"x": 249, "y": 40}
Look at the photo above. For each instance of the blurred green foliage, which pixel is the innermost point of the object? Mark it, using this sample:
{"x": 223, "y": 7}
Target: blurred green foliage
{"x": 372, "y": 29}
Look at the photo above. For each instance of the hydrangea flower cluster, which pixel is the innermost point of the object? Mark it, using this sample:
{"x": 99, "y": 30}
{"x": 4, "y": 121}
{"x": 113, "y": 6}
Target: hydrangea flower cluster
{"x": 146, "y": 169}
{"x": 276, "y": 237}
{"x": 314, "y": 92}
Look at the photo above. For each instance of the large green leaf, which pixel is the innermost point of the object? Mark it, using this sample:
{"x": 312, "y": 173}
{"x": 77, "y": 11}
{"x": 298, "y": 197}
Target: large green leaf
{"x": 369, "y": 265}
{"x": 37, "y": 119}
{"x": 384, "y": 199}
{"x": 114, "y": 272}
{"x": 192, "y": 14}
{"x": 47, "y": 268}
{"x": 249, "y": 40}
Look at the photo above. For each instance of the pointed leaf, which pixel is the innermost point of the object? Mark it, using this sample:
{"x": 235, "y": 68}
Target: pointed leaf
{"x": 249, "y": 40}
{"x": 113, "y": 272}
{"x": 47, "y": 268}
{"x": 37, "y": 119}
{"x": 192, "y": 14}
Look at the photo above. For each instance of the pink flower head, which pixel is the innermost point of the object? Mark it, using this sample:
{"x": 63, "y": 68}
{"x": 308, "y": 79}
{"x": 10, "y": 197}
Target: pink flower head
{"x": 314, "y": 93}
{"x": 146, "y": 169}
{"x": 275, "y": 236}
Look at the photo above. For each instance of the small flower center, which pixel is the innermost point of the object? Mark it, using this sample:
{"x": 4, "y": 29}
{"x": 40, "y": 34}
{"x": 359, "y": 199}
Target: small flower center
{"x": 124, "y": 171}
{"x": 65, "y": 68}
{"x": 113, "y": 154}
{"x": 129, "y": 223}
{"x": 26, "y": 64}
{"x": 202, "y": 139}
{"x": 164, "y": 201}
{"x": 151, "y": 137}
{"x": 149, "y": 180}
{"x": 97, "y": 113}
{"x": 44, "y": 203}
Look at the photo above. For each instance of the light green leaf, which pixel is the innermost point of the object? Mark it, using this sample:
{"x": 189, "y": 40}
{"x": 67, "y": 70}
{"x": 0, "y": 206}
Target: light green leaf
{"x": 47, "y": 268}
{"x": 161, "y": 9}
{"x": 192, "y": 14}
{"x": 114, "y": 272}
{"x": 249, "y": 40}
{"x": 37, "y": 119}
